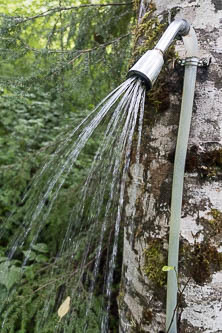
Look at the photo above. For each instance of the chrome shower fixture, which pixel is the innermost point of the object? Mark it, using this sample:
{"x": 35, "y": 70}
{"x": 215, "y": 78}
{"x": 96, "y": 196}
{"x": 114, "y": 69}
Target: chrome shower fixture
{"x": 150, "y": 64}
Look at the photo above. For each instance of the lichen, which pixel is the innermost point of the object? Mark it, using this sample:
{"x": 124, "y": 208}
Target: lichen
{"x": 154, "y": 260}
{"x": 147, "y": 316}
{"x": 201, "y": 260}
{"x": 208, "y": 164}
{"x": 136, "y": 328}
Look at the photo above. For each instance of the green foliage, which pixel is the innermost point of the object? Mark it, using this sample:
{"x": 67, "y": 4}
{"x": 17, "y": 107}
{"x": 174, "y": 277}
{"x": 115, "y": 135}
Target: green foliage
{"x": 33, "y": 303}
{"x": 54, "y": 67}
{"x": 9, "y": 274}
{"x": 73, "y": 48}
{"x": 57, "y": 62}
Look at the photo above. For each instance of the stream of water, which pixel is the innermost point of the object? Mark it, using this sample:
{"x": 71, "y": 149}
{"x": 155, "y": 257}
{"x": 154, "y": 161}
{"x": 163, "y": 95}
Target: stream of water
{"x": 90, "y": 246}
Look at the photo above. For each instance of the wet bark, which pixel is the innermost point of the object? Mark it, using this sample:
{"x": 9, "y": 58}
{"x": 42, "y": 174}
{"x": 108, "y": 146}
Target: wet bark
{"x": 143, "y": 291}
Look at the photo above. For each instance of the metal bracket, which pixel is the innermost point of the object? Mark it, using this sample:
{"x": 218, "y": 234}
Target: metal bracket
{"x": 204, "y": 62}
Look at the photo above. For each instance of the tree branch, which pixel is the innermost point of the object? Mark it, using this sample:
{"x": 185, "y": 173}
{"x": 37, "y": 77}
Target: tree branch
{"x": 77, "y": 52}
{"x": 60, "y": 9}
{"x": 80, "y": 52}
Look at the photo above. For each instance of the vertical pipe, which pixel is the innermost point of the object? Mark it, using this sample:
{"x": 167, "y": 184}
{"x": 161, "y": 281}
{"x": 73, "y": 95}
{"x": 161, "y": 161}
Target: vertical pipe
{"x": 177, "y": 191}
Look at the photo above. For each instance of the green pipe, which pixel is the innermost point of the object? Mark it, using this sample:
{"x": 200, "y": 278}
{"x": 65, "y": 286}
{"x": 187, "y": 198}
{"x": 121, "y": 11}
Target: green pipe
{"x": 177, "y": 191}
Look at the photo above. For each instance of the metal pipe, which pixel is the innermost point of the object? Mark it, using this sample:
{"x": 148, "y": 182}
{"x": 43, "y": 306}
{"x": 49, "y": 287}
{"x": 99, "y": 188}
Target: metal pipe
{"x": 177, "y": 27}
{"x": 148, "y": 67}
{"x": 150, "y": 64}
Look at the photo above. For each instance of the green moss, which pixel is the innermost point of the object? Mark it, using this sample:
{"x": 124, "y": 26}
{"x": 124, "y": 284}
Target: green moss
{"x": 217, "y": 215}
{"x": 136, "y": 5}
{"x": 120, "y": 298}
{"x": 212, "y": 225}
{"x": 216, "y": 220}
{"x": 146, "y": 34}
{"x": 155, "y": 259}
{"x": 213, "y": 161}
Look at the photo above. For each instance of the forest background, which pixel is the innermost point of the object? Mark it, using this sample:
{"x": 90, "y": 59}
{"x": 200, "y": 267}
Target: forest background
{"x": 58, "y": 59}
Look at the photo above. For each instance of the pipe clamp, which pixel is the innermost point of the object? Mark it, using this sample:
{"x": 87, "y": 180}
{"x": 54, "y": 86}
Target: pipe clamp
{"x": 204, "y": 62}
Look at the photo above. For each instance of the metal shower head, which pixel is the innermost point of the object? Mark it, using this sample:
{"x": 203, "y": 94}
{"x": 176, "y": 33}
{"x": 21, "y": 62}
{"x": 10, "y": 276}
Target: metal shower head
{"x": 148, "y": 67}
{"x": 150, "y": 64}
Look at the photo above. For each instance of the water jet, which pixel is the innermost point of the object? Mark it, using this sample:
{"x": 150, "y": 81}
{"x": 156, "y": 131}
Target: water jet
{"x": 127, "y": 103}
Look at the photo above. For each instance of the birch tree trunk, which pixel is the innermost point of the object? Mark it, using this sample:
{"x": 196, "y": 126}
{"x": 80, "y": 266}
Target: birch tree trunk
{"x": 143, "y": 293}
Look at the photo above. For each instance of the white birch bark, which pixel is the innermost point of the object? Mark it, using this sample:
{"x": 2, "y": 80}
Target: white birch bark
{"x": 143, "y": 292}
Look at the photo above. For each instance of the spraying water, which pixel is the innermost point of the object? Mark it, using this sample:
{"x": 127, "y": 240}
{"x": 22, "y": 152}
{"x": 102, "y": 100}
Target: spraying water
{"x": 89, "y": 250}
{"x": 84, "y": 267}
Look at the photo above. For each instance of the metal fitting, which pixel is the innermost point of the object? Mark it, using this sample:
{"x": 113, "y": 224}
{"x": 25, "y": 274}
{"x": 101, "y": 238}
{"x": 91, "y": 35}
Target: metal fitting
{"x": 193, "y": 61}
{"x": 148, "y": 67}
{"x": 204, "y": 62}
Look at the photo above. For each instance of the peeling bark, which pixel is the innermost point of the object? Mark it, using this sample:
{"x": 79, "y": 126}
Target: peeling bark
{"x": 143, "y": 293}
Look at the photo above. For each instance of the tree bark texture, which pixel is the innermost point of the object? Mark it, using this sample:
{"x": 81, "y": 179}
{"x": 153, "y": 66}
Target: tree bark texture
{"x": 143, "y": 291}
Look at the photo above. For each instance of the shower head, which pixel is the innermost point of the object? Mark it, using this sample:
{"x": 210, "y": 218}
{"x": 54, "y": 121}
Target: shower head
{"x": 150, "y": 64}
{"x": 148, "y": 67}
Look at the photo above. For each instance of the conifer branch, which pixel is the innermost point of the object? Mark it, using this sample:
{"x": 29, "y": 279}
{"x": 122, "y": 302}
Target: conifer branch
{"x": 60, "y": 9}
{"x": 80, "y": 52}
{"x": 77, "y": 52}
